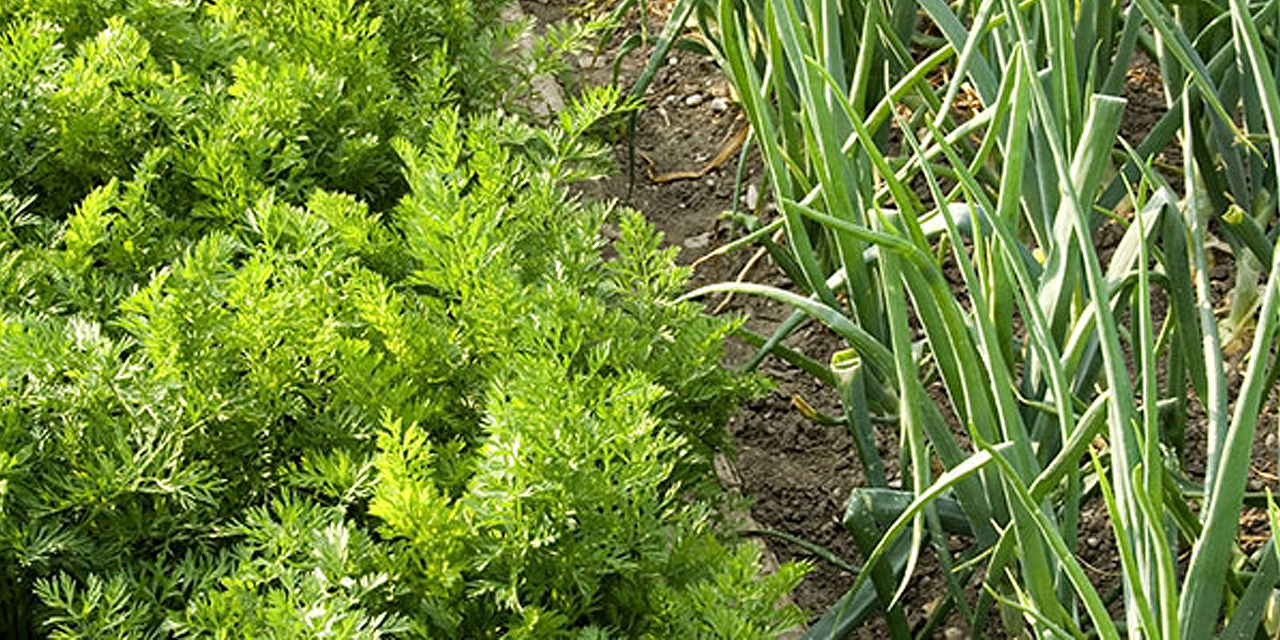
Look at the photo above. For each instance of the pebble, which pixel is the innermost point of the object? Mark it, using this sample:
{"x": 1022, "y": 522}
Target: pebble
{"x": 699, "y": 241}
{"x": 719, "y": 105}
{"x": 1092, "y": 541}
{"x": 953, "y": 633}
{"x": 710, "y": 182}
{"x": 752, "y": 197}
{"x": 693, "y": 100}
{"x": 671, "y": 61}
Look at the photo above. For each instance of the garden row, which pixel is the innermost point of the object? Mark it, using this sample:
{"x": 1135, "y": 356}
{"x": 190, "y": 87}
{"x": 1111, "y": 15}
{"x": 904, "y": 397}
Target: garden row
{"x": 1063, "y": 375}
{"x": 300, "y": 336}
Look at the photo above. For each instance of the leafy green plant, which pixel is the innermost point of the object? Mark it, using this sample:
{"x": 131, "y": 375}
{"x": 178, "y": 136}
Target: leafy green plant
{"x": 321, "y": 348}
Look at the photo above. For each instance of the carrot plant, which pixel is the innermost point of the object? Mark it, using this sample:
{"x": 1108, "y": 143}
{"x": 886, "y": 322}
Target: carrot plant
{"x": 301, "y": 337}
{"x": 1066, "y": 375}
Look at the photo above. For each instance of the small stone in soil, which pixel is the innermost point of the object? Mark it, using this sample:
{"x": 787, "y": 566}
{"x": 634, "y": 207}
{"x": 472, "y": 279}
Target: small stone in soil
{"x": 953, "y": 633}
{"x": 693, "y": 100}
{"x": 699, "y": 241}
{"x": 752, "y": 197}
{"x": 1093, "y": 541}
{"x": 711, "y": 182}
{"x": 719, "y": 105}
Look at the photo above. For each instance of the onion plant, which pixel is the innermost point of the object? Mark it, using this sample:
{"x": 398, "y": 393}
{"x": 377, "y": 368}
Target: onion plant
{"x": 1067, "y": 369}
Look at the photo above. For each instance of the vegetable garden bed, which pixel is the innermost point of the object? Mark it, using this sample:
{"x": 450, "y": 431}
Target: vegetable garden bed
{"x": 782, "y": 51}
{"x": 303, "y": 332}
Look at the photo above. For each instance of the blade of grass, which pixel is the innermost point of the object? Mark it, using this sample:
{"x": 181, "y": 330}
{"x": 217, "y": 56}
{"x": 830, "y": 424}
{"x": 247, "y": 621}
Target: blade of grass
{"x": 787, "y": 354}
{"x": 1249, "y": 610}
{"x": 860, "y": 521}
{"x": 947, "y": 480}
{"x": 751, "y": 92}
{"x": 1202, "y": 597}
{"x": 911, "y": 398}
{"x": 1030, "y": 517}
{"x": 876, "y": 353}
{"x": 851, "y": 387}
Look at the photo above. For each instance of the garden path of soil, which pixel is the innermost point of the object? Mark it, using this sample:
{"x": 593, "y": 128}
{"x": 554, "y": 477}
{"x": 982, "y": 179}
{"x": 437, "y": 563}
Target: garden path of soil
{"x": 796, "y": 473}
